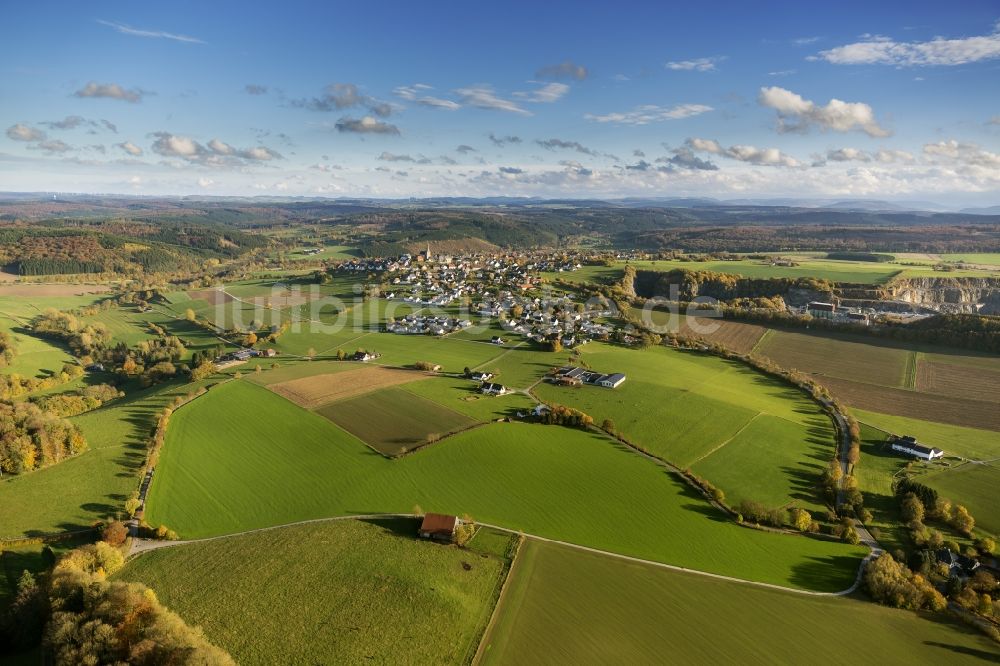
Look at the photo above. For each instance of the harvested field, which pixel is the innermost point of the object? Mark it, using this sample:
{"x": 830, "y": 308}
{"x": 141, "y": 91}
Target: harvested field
{"x": 862, "y": 360}
{"x": 50, "y": 290}
{"x": 211, "y": 296}
{"x": 735, "y": 335}
{"x": 311, "y": 392}
{"x": 738, "y": 336}
{"x": 912, "y": 404}
{"x": 960, "y": 381}
{"x": 415, "y": 420}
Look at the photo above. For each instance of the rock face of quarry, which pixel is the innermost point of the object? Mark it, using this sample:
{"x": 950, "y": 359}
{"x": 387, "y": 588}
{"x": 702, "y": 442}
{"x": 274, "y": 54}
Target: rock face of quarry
{"x": 947, "y": 294}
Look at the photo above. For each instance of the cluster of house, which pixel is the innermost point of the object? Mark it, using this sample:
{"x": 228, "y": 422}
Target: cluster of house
{"x": 909, "y": 445}
{"x": 541, "y": 319}
{"x": 426, "y": 325}
{"x": 573, "y": 376}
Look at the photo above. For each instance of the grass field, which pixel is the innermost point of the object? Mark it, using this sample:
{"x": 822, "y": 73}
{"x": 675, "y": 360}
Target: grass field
{"x": 35, "y": 356}
{"x": 462, "y": 395}
{"x": 974, "y": 486}
{"x": 229, "y": 465}
{"x": 341, "y": 592}
{"x": 394, "y": 421}
{"x": 953, "y": 440}
{"x": 563, "y": 606}
{"x": 72, "y": 494}
{"x": 838, "y": 271}
{"x": 694, "y": 409}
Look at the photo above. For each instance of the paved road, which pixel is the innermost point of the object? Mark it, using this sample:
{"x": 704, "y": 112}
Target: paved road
{"x": 140, "y": 546}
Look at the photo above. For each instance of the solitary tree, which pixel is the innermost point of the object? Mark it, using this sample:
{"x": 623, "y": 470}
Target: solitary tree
{"x": 912, "y": 509}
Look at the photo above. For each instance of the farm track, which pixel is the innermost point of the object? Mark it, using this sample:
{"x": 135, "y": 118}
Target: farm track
{"x": 141, "y": 546}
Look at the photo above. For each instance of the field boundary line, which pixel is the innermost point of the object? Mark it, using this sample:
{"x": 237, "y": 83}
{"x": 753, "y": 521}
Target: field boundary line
{"x": 477, "y": 656}
{"x": 760, "y": 341}
{"x": 731, "y": 438}
{"x": 141, "y": 546}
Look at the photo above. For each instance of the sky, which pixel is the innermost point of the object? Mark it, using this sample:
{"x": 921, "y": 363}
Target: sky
{"x": 897, "y": 101}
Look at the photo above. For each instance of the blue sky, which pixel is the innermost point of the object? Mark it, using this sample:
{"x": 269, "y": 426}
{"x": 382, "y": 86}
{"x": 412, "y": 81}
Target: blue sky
{"x": 873, "y": 100}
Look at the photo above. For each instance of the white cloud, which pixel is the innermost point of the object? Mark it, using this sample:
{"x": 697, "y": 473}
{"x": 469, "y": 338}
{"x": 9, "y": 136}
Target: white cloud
{"x": 130, "y": 148}
{"x": 744, "y": 153}
{"x": 110, "y": 91}
{"x": 962, "y": 153}
{"x": 848, "y": 155}
{"x": 650, "y": 113}
{"x": 156, "y": 34}
{"x": 548, "y": 93}
{"x": 796, "y": 114}
{"x": 22, "y": 132}
{"x": 880, "y": 50}
{"x": 205, "y": 182}
{"x": 695, "y": 65}
{"x": 483, "y": 97}
{"x": 894, "y": 156}
{"x": 995, "y": 120}
{"x": 52, "y": 146}
{"x": 216, "y": 153}
{"x": 416, "y": 93}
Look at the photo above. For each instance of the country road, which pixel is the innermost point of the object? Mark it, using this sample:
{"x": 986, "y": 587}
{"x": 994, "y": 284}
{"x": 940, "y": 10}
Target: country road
{"x": 140, "y": 546}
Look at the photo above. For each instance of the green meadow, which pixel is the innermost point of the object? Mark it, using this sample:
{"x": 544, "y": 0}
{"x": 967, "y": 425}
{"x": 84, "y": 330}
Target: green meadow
{"x": 94, "y": 485}
{"x": 229, "y": 465}
{"x": 347, "y": 591}
{"x": 753, "y": 436}
{"x": 563, "y": 606}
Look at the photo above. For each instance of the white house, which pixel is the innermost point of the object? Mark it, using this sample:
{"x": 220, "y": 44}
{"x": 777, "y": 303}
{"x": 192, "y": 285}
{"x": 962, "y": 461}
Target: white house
{"x": 909, "y": 446}
{"x": 489, "y": 388}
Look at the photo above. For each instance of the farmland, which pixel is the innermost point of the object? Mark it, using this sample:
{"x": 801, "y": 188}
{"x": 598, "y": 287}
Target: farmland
{"x": 972, "y": 443}
{"x": 700, "y": 411}
{"x": 975, "y": 486}
{"x": 843, "y": 357}
{"x": 978, "y": 414}
{"x": 738, "y": 336}
{"x": 462, "y": 395}
{"x": 414, "y": 421}
{"x": 292, "y": 593}
{"x": 563, "y": 606}
{"x": 547, "y": 480}
{"x": 969, "y": 382}
{"x": 316, "y": 390}
{"x": 91, "y": 486}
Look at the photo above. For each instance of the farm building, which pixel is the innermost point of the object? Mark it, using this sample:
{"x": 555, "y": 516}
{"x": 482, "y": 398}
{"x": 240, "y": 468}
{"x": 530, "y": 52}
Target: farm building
{"x": 821, "y": 310}
{"x": 363, "y": 356}
{"x": 481, "y": 376}
{"x": 908, "y": 445}
{"x": 574, "y": 376}
{"x": 611, "y": 381}
{"x": 497, "y": 340}
{"x": 438, "y": 526}
{"x": 490, "y": 388}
